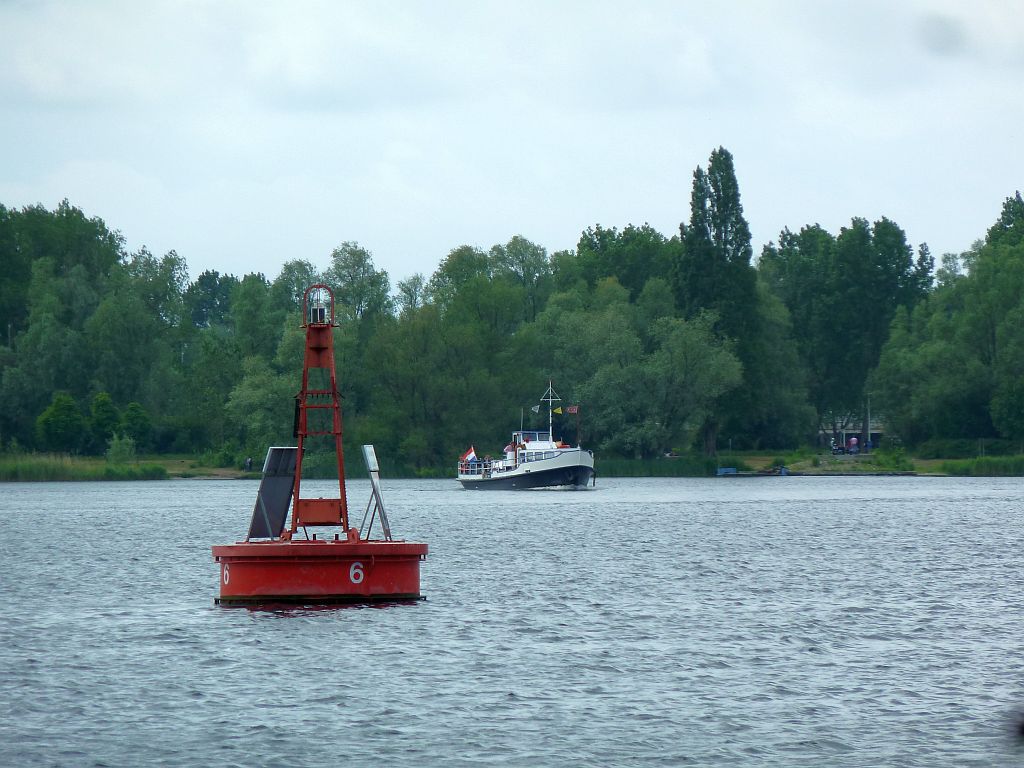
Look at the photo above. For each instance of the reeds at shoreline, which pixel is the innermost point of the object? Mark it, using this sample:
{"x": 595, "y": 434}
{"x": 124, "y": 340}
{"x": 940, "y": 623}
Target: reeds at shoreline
{"x": 39, "y": 467}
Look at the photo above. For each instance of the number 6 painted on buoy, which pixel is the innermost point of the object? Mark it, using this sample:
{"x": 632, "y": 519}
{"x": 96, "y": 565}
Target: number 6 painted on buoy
{"x": 227, "y": 574}
{"x": 355, "y": 573}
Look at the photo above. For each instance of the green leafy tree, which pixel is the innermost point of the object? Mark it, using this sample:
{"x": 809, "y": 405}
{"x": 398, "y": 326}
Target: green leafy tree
{"x": 461, "y": 265}
{"x": 72, "y": 258}
{"x": 290, "y": 285}
{"x": 215, "y": 368}
{"x": 842, "y": 293}
{"x": 632, "y": 256}
{"x": 713, "y": 271}
{"x": 411, "y": 293}
{"x": 17, "y": 262}
{"x": 136, "y": 425}
{"x": 799, "y": 272}
{"x": 160, "y": 284}
{"x": 655, "y": 302}
{"x": 1009, "y": 227}
{"x": 852, "y": 289}
{"x": 44, "y": 292}
{"x": 260, "y": 407}
{"x": 713, "y": 274}
{"x": 567, "y": 273}
{"x": 773, "y": 407}
{"x": 928, "y": 383}
{"x": 493, "y": 307}
{"x": 164, "y": 392}
{"x": 644, "y": 404}
{"x": 122, "y": 338}
{"x": 207, "y": 300}
{"x": 557, "y": 338}
{"x": 661, "y": 340}
{"x": 691, "y": 368}
{"x": 432, "y": 388}
{"x": 643, "y": 375}
{"x": 357, "y": 284}
{"x": 103, "y": 422}
{"x": 951, "y": 367}
{"x": 526, "y": 264}
{"x": 1007, "y": 403}
{"x": 61, "y": 427}
{"x": 614, "y": 384}
{"x": 254, "y": 318}
{"x": 50, "y": 357}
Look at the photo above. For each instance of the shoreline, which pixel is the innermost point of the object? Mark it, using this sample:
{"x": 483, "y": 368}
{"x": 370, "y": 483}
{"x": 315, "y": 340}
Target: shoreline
{"x": 49, "y": 467}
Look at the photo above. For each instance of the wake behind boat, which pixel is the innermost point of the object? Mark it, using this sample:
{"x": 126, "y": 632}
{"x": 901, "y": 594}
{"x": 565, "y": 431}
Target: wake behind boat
{"x": 532, "y": 459}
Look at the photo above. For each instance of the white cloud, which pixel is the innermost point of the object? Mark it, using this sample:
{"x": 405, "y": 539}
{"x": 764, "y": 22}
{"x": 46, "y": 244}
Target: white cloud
{"x": 245, "y": 134}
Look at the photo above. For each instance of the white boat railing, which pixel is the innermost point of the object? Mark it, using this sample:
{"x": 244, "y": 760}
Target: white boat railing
{"x": 484, "y": 468}
{"x": 487, "y": 467}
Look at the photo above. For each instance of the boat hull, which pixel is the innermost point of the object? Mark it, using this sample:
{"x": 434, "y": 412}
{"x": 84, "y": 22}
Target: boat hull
{"x": 319, "y": 571}
{"x": 525, "y": 477}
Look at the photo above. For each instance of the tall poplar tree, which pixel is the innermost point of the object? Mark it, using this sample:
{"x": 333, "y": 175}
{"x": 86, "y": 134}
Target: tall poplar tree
{"x": 713, "y": 273}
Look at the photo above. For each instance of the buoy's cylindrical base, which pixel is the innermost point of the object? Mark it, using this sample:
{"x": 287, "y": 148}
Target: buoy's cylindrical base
{"x": 325, "y": 572}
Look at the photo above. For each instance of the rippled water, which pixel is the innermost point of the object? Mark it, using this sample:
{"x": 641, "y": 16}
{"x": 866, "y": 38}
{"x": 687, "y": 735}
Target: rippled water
{"x": 768, "y": 621}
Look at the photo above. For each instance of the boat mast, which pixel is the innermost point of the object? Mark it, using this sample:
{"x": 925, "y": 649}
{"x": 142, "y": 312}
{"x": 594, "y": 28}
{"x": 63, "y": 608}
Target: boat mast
{"x": 550, "y": 397}
{"x": 551, "y": 437}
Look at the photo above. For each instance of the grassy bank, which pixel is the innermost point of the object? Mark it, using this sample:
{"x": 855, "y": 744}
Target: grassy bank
{"x": 984, "y": 466}
{"x": 29, "y": 467}
{"x": 878, "y": 462}
{"x": 33, "y": 467}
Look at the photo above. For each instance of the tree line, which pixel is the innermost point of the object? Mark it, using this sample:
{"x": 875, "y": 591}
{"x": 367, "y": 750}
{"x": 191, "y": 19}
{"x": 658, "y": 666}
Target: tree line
{"x": 665, "y": 342}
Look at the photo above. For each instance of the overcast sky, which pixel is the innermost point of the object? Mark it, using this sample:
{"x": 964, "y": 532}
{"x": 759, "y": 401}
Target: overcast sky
{"x": 245, "y": 134}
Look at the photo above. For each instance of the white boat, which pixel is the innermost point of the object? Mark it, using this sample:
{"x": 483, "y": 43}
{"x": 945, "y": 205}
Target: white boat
{"x": 532, "y": 459}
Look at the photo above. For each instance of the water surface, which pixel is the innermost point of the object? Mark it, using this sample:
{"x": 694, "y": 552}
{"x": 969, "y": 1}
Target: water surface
{"x": 736, "y": 621}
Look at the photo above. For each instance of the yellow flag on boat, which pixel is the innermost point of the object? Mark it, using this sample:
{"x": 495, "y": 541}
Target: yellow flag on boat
{"x": 557, "y": 410}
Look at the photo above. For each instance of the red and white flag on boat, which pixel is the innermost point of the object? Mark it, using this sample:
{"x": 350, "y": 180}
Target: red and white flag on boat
{"x": 573, "y": 409}
{"x": 469, "y": 455}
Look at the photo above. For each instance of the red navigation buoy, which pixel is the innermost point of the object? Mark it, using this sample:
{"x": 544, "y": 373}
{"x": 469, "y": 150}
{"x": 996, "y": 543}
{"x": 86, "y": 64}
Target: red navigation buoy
{"x": 274, "y": 565}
